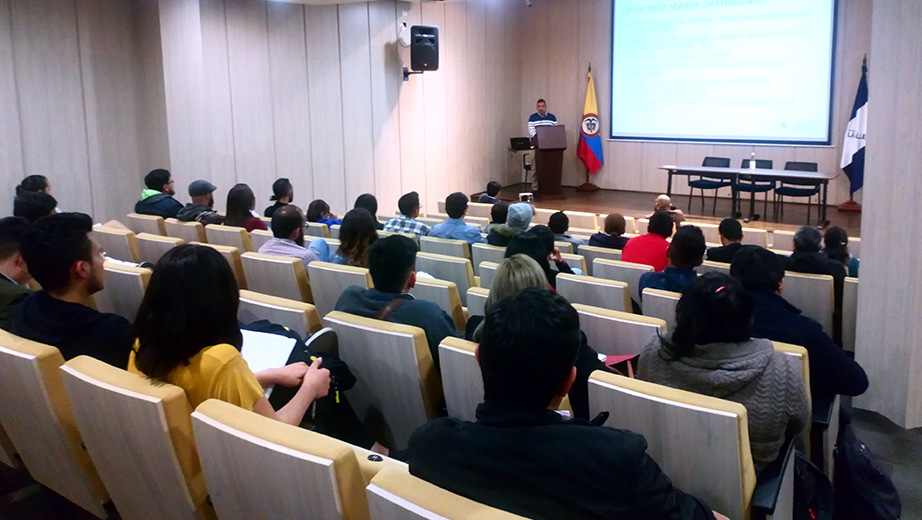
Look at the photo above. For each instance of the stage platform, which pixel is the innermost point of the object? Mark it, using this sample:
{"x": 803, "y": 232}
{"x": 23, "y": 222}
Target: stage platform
{"x": 639, "y": 204}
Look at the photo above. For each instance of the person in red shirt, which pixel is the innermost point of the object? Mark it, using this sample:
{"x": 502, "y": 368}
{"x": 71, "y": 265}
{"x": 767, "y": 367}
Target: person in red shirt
{"x": 650, "y": 249}
{"x": 240, "y": 204}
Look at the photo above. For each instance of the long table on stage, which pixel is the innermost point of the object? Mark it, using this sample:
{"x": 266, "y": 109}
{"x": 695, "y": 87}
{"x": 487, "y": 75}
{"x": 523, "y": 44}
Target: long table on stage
{"x": 735, "y": 174}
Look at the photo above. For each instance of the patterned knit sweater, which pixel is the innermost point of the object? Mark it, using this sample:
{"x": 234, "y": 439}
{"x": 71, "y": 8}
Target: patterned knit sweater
{"x": 768, "y": 383}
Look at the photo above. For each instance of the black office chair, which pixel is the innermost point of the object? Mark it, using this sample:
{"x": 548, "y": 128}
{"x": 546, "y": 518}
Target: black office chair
{"x": 793, "y": 188}
{"x": 709, "y": 182}
{"x": 751, "y": 186}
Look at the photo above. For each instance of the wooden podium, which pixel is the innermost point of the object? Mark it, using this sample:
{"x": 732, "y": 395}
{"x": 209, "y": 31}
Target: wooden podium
{"x": 550, "y": 142}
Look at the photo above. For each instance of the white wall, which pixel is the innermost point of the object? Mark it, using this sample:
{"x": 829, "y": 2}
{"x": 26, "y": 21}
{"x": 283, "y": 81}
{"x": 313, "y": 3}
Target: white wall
{"x": 559, "y": 38}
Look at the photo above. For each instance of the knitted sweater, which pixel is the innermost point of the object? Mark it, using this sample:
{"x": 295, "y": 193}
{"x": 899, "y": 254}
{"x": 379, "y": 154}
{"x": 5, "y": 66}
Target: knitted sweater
{"x": 768, "y": 383}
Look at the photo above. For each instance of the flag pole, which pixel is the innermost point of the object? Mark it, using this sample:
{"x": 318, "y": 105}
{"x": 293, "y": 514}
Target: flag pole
{"x": 851, "y": 205}
{"x": 587, "y": 186}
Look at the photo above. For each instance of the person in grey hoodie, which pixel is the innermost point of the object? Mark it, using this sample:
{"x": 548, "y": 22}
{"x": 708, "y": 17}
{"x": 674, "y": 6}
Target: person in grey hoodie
{"x": 710, "y": 352}
{"x": 518, "y": 218}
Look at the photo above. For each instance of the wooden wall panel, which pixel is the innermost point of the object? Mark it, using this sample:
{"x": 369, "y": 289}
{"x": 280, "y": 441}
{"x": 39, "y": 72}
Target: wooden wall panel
{"x": 11, "y": 144}
{"x": 149, "y": 85}
{"x": 436, "y": 121}
{"x": 412, "y": 127}
{"x": 386, "y": 79}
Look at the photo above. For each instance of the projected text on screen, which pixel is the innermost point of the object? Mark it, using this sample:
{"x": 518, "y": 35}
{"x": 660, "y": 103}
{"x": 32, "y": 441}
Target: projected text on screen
{"x": 723, "y": 70}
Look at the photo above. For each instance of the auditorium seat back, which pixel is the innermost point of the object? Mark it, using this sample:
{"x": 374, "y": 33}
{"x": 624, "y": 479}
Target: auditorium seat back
{"x": 280, "y": 276}
{"x": 444, "y": 294}
{"x": 478, "y": 209}
{"x": 146, "y": 224}
{"x": 229, "y": 236}
{"x": 478, "y": 222}
{"x": 430, "y": 221}
{"x": 443, "y": 246}
{"x": 486, "y": 253}
{"x": 328, "y": 281}
{"x": 618, "y": 333}
{"x": 621, "y": 271}
{"x": 661, "y": 304}
{"x": 487, "y": 273}
{"x": 597, "y": 292}
{"x": 477, "y": 301}
{"x": 542, "y": 216}
{"x": 38, "y": 418}
{"x": 582, "y": 220}
{"x": 461, "y": 378}
{"x": 152, "y": 247}
{"x": 124, "y": 290}
{"x": 590, "y": 253}
{"x": 564, "y": 247}
{"x": 849, "y": 313}
{"x": 411, "y": 236}
{"x": 334, "y": 231}
{"x": 139, "y": 435}
{"x": 7, "y": 451}
{"x": 812, "y": 294}
{"x": 290, "y": 472}
{"x": 450, "y": 269}
{"x": 188, "y": 231}
{"x": 233, "y": 257}
{"x": 317, "y": 229}
{"x": 572, "y": 260}
{"x": 755, "y": 237}
{"x": 709, "y": 267}
{"x": 294, "y": 314}
{"x": 710, "y": 231}
{"x": 259, "y": 237}
{"x": 117, "y": 243}
{"x": 397, "y": 388}
{"x": 784, "y": 240}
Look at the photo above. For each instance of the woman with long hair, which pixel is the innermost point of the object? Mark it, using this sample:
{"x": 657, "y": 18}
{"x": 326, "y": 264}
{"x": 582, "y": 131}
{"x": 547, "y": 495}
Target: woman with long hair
{"x": 319, "y": 211}
{"x": 710, "y": 352}
{"x": 357, "y": 234}
{"x": 835, "y": 244}
{"x": 240, "y": 204}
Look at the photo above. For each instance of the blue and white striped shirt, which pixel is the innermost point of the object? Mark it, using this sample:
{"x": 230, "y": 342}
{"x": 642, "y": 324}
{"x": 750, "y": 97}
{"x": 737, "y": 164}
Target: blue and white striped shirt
{"x": 536, "y": 120}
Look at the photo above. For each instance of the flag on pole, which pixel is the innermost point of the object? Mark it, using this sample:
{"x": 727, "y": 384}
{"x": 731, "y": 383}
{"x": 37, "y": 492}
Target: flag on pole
{"x": 856, "y": 133}
{"x": 590, "y": 143}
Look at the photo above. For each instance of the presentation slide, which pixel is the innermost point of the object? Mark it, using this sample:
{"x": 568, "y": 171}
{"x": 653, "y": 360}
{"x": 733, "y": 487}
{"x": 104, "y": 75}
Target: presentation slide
{"x": 752, "y": 71}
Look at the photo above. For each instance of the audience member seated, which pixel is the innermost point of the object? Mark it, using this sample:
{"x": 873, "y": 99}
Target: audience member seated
{"x": 392, "y": 264}
{"x": 514, "y": 275}
{"x": 288, "y": 235}
{"x": 35, "y": 184}
{"x": 282, "y": 193}
{"x": 369, "y": 202}
{"x": 491, "y": 196}
{"x": 240, "y": 204}
{"x": 33, "y": 205}
{"x": 409, "y": 207}
{"x": 731, "y": 239}
{"x": 194, "y": 342}
{"x": 836, "y": 247}
{"x": 158, "y": 199}
{"x": 319, "y": 211}
{"x": 518, "y": 218}
{"x": 686, "y": 252}
{"x": 498, "y": 214}
{"x": 68, "y": 264}
{"x": 454, "y": 227}
{"x": 559, "y": 223}
{"x": 357, "y": 234}
{"x": 650, "y": 248}
{"x": 14, "y": 273}
{"x": 710, "y": 352}
{"x": 832, "y": 371}
{"x": 664, "y": 203}
{"x": 522, "y": 457}
{"x": 807, "y": 258}
{"x": 538, "y": 243}
{"x": 201, "y": 209}
{"x": 611, "y": 236}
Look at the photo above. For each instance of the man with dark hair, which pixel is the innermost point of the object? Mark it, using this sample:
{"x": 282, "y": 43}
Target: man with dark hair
{"x": 610, "y": 237}
{"x": 731, "y": 238}
{"x": 282, "y": 193}
{"x": 686, "y": 252}
{"x": 288, "y": 235}
{"x": 808, "y": 259}
{"x": 392, "y": 264}
{"x": 498, "y": 214}
{"x": 831, "y": 371}
{"x": 559, "y": 223}
{"x": 201, "y": 209}
{"x": 409, "y": 207}
{"x": 650, "y": 249}
{"x": 523, "y": 457}
{"x": 14, "y": 273}
{"x": 68, "y": 264}
{"x": 158, "y": 199}
{"x": 33, "y": 205}
{"x": 518, "y": 218}
{"x": 369, "y": 202}
{"x": 491, "y": 196}
{"x": 455, "y": 228}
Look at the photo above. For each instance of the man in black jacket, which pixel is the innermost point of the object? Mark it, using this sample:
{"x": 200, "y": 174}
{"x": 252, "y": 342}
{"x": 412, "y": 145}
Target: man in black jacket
{"x": 158, "y": 199}
{"x": 808, "y": 259}
{"x": 832, "y": 371}
{"x": 731, "y": 238}
{"x": 520, "y": 455}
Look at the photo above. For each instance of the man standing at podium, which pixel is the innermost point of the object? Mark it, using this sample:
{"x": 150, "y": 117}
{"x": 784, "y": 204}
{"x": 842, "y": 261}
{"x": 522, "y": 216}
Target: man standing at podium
{"x": 540, "y": 118}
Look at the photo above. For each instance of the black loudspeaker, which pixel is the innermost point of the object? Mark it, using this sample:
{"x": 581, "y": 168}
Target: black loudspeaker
{"x": 424, "y": 47}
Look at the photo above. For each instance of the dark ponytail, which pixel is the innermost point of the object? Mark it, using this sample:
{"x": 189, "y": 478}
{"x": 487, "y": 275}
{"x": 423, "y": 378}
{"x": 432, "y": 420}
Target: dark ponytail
{"x": 836, "y": 244}
{"x": 34, "y": 183}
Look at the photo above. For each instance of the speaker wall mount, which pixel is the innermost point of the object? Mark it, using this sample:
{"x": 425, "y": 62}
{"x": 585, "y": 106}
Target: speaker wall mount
{"x": 424, "y": 50}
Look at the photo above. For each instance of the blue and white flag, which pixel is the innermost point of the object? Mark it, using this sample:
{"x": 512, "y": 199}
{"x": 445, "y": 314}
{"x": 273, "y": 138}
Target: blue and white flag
{"x": 856, "y": 134}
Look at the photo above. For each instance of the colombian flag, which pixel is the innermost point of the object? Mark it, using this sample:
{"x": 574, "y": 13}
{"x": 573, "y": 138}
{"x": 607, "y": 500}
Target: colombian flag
{"x": 590, "y": 143}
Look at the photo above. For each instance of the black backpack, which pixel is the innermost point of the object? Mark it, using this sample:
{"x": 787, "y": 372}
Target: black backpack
{"x": 862, "y": 490}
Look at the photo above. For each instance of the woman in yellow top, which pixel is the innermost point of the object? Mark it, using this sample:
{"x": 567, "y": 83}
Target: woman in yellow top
{"x": 188, "y": 336}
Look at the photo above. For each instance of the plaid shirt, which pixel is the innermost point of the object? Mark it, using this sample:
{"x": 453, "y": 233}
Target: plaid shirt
{"x": 404, "y": 224}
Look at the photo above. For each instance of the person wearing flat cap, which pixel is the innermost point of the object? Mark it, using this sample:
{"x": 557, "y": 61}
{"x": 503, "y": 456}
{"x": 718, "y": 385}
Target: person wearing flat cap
{"x": 201, "y": 209}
